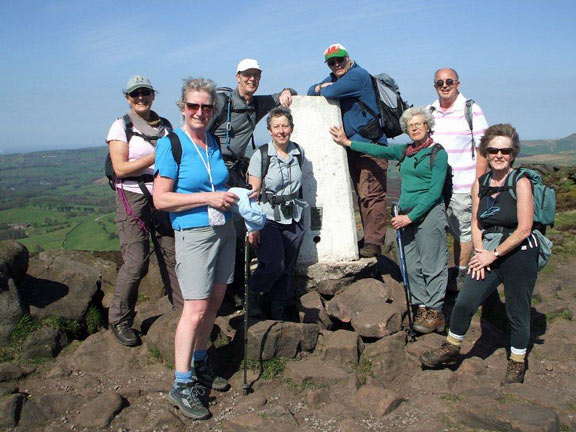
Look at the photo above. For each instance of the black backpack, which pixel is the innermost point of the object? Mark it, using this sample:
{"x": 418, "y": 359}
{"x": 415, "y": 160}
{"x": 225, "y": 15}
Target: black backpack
{"x": 225, "y": 116}
{"x": 390, "y": 108}
{"x": 130, "y": 132}
{"x": 447, "y": 188}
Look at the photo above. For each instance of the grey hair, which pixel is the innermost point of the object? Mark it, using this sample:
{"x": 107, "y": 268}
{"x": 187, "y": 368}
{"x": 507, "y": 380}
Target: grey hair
{"x": 279, "y": 112}
{"x": 450, "y": 69}
{"x": 414, "y": 111}
{"x": 197, "y": 84}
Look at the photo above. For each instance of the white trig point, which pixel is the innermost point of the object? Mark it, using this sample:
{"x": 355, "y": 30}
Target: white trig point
{"x": 329, "y": 221}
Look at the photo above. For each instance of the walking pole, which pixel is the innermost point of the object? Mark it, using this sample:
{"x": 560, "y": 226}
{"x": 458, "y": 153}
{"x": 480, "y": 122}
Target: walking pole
{"x": 245, "y": 386}
{"x": 411, "y": 332}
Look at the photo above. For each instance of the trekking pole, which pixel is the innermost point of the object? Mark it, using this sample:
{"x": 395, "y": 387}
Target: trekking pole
{"x": 245, "y": 386}
{"x": 411, "y": 332}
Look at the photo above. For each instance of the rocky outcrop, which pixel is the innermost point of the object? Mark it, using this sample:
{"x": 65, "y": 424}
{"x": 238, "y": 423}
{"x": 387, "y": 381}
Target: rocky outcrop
{"x": 13, "y": 267}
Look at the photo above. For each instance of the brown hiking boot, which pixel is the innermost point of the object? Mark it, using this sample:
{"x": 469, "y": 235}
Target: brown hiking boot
{"x": 432, "y": 321}
{"x": 514, "y": 373}
{"x": 419, "y": 316}
{"x": 370, "y": 250}
{"x": 446, "y": 354}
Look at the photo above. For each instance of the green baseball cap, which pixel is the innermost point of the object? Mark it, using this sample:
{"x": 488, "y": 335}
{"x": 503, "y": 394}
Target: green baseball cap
{"x": 335, "y": 50}
{"x": 136, "y": 82}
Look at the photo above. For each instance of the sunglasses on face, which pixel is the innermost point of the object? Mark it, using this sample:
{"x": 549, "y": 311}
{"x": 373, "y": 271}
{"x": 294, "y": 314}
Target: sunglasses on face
{"x": 206, "y": 109}
{"x": 137, "y": 93}
{"x": 332, "y": 62}
{"x": 255, "y": 75}
{"x": 449, "y": 82}
{"x": 495, "y": 150}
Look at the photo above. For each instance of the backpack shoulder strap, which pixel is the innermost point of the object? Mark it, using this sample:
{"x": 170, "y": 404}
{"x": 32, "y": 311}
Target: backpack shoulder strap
{"x": 176, "y": 146}
{"x": 167, "y": 125}
{"x": 299, "y": 157}
{"x": 264, "y": 164}
{"x": 512, "y": 180}
{"x": 435, "y": 149}
{"x": 484, "y": 182}
{"x": 128, "y": 125}
{"x": 468, "y": 115}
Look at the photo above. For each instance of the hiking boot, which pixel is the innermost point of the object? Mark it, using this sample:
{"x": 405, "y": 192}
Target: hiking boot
{"x": 186, "y": 397}
{"x": 446, "y": 354}
{"x": 514, "y": 373}
{"x": 419, "y": 316}
{"x": 205, "y": 375}
{"x": 370, "y": 250}
{"x": 432, "y": 321}
{"x": 124, "y": 334}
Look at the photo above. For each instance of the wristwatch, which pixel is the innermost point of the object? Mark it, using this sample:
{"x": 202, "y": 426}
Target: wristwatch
{"x": 496, "y": 254}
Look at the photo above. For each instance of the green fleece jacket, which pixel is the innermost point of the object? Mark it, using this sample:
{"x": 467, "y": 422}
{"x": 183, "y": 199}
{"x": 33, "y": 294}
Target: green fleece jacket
{"x": 421, "y": 188}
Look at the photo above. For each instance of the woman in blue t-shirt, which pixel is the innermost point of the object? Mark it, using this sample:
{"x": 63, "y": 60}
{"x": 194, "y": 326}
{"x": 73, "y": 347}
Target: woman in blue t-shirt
{"x": 194, "y": 191}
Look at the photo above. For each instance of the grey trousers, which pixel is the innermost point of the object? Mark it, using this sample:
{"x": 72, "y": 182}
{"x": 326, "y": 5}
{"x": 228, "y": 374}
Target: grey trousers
{"x": 426, "y": 256}
{"x": 135, "y": 247}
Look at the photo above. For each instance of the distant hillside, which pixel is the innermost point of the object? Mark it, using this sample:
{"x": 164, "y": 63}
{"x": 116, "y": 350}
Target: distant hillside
{"x": 548, "y": 146}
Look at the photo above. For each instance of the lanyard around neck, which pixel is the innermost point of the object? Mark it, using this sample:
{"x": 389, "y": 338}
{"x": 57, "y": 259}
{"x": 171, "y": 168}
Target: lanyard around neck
{"x": 206, "y": 162}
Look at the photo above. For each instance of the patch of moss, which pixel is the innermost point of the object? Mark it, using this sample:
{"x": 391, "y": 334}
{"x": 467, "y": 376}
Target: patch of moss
{"x": 95, "y": 319}
{"x": 307, "y": 384}
{"x": 565, "y": 314}
{"x": 154, "y": 354}
{"x": 268, "y": 369}
{"x": 362, "y": 369}
{"x": 25, "y": 326}
{"x": 73, "y": 328}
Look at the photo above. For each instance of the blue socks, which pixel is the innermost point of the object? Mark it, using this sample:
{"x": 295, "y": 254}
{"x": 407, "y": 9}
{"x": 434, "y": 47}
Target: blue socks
{"x": 182, "y": 378}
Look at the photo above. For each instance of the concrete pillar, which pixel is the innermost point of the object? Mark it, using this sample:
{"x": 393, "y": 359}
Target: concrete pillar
{"x": 329, "y": 221}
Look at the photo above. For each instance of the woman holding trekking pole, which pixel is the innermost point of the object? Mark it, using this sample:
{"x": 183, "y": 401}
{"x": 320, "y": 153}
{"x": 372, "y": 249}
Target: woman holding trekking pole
{"x": 422, "y": 219}
{"x": 507, "y": 252}
{"x": 194, "y": 192}
{"x": 132, "y": 141}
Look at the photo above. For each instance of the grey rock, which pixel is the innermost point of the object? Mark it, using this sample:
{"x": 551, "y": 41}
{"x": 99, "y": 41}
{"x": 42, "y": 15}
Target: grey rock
{"x": 59, "y": 286}
{"x": 99, "y": 412}
{"x": 161, "y": 335}
{"x": 44, "y": 343}
{"x": 7, "y": 389}
{"x": 41, "y": 409}
{"x": 362, "y": 268}
{"x": 311, "y": 310}
{"x": 378, "y": 400}
{"x": 483, "y": 413}
{"x": 357, "y": 297}
{"x": 251, "y": 402}
{"x": 315, "y": 371}
{"x": 149, "y": 311}
{"x": 377, "y": 320}
{"x": 316, "y": 398}
{"x": 387, "y": 357}
{"x": 10, "y": 408}
{"x": 268, "y": 339}
{"x": 13, "y": 261}
{"x": 110, "y": 355}
{"x": 12, "y": 372}
{"x": 340, "y": 347}
{"x": 330, "y": 287}
{"x": 349, "y": 425}
{"x": 12, "y": 310}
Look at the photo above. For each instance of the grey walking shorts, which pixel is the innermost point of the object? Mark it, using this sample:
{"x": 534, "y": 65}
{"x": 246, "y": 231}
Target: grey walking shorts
{"x": 204, "y": 257}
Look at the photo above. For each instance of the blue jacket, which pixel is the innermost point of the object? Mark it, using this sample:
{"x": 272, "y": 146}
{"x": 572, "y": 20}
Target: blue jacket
{"x": 354, "y": 84}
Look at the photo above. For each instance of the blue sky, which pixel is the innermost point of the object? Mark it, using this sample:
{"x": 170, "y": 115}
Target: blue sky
{"x": 65, "y": 62}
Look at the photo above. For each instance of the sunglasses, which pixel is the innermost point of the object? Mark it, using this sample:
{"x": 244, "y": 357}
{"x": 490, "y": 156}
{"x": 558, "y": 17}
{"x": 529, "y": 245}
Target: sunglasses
{"x": 137, "y": 93}
{"x": 255, "y": 75}
{"x": 449, "y": 82}
{"x": 332, "y": 62}
{"x": 206, "y": 109}
{"x": 495, "y": 150}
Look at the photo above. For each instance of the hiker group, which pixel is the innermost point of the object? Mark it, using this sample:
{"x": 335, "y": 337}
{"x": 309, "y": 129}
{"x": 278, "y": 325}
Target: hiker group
{"x": 193, "y": 192}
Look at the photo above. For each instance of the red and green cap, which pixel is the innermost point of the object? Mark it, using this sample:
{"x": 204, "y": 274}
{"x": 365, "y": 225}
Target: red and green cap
{"x": 335, "y": 50}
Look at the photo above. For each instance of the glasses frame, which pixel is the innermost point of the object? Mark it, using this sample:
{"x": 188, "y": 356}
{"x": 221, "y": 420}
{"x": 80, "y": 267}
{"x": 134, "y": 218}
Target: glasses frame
{"x": 449, "y": 82}
{"x": 506, "y": 151}
{"x": 140, "y": 92}
{"x": 194, "y": 107}
{"x": 332, "y": 62}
